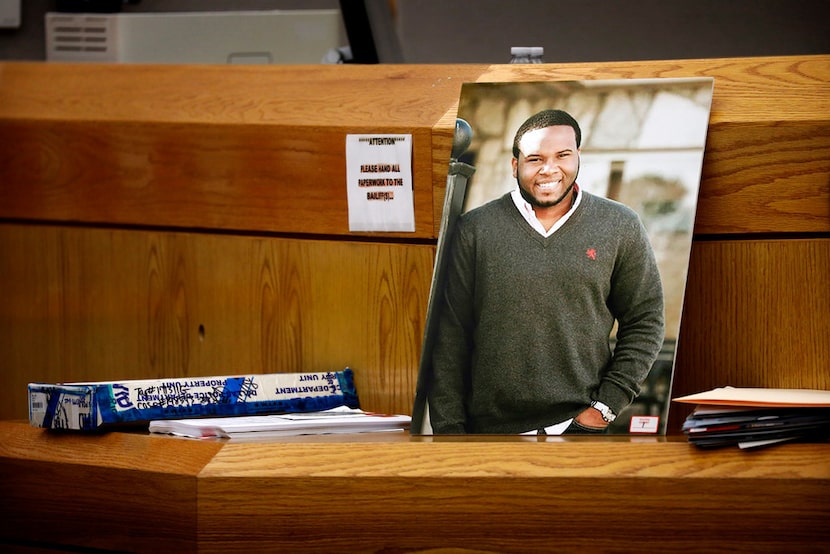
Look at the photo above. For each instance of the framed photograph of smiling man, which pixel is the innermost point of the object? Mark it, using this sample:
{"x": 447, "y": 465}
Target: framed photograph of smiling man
{"x": 562, "y": 258}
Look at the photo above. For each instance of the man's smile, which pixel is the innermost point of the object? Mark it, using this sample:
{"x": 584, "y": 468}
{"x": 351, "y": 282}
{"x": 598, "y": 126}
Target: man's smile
{"x": 549, "y": 186}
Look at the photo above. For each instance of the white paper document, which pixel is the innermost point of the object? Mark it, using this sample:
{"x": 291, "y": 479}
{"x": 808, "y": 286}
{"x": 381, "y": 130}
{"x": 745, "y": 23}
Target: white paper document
{"x": 379, "y": 183}
{"x": 336, "y": 420}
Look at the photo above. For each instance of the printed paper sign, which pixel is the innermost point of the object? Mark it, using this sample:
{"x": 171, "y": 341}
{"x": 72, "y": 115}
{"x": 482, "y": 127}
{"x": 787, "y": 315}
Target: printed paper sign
{"x": 379, "y": 183}
{"x": 644, "y": 424}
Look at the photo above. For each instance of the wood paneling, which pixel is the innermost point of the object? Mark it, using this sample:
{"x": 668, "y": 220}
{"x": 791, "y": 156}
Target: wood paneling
{"x": 97, "y": 304}
{"x": 116, "y": 491}
{"x": 767, "y": 159}
{"x": 264, "y": 148}
{"x": 756, "y": 314}
{"x": 211, "y": 147}
{"x": 387, "y": 492}
{"x": 766, "y": 178}
{"x": 762, "y": 320}
{"x": 501, "y": 496}
{"x": 229, "y": 177}
{"x": 164, "y": 160}
{"x": 350, "y": 96}
{"x": 102, "y": 304}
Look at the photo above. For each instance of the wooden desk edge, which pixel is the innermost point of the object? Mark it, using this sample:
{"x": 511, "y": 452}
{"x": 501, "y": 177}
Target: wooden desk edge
{"x": 389, "y": 455}
{"x": 417, "y": 493}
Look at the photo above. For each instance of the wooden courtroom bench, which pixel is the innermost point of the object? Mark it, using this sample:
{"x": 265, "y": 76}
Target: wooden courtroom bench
{"x": 167, "y": 221}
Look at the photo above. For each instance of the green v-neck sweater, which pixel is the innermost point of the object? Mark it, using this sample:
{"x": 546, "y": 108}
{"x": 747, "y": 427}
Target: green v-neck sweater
{"x": 524, "y": 325}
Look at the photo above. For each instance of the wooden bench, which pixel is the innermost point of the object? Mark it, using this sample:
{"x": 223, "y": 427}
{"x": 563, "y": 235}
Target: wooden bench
{"x": 192, "y": 220}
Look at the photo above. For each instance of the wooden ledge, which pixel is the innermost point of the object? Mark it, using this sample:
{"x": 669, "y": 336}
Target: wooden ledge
{"x": 402, "y": 455}
{"x": 261, "y": 149}
{"x": 514, "y": 457}
{"x": 376, "y": 492}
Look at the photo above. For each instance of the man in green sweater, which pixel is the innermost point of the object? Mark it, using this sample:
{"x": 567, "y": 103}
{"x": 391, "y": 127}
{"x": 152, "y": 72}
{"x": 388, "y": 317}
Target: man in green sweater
{"x": 536, "y": 281}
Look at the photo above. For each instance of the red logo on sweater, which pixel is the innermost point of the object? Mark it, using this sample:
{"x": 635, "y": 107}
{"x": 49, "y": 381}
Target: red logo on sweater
{"x": 591, "y": 253}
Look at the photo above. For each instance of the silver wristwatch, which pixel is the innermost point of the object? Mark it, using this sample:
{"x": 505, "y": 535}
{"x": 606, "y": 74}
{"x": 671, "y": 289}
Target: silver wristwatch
{"x": 606, "y": 412}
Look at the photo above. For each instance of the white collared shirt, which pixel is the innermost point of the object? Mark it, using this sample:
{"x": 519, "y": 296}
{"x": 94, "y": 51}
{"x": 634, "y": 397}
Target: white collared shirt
{"x": 556, "y": 429}
{"x": 527, "y": 212}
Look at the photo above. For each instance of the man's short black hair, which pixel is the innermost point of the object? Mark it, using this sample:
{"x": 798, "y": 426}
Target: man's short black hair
{"x": 546, "y": 118}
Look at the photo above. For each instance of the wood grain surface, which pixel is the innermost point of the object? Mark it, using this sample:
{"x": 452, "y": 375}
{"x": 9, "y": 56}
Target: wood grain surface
{"x": 255, "y": 151}
{"x": 191, "y": 220}
{"x": 107, "y": 305}
{"x": 767, "y": 160}
{"x": 513, "y": 457}
{"x": 401, "y": 514}
{"x": 113, "y": 491}
{"x": 210, "y": 147}
{"x": 99, "y": 304}
{"x": 756, "y": 314}
{"x": 388, "y": 492}
{"x": 263, "y": 149}
{"x": 505, "y": 496}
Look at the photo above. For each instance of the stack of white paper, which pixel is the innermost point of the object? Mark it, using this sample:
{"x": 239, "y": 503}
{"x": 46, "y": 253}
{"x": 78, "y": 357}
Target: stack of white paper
{"x": 336, "y": 420}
